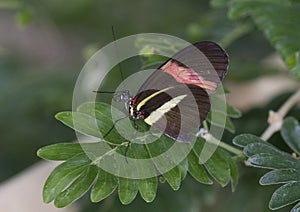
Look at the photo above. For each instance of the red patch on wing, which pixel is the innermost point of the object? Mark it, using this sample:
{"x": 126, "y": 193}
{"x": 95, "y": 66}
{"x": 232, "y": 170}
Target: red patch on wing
{"x": 187, "y": 76}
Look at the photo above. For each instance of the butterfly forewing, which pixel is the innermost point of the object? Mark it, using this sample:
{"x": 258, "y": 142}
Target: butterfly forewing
{"x": 213, "y": 55}
{"x": 205, "y": 59}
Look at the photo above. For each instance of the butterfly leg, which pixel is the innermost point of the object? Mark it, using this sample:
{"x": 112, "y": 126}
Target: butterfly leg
{"x": 113, "y": 126}
{"x": 129, "y": 141}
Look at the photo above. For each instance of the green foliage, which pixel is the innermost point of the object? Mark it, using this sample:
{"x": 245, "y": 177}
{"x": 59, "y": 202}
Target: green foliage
{"x": 278, "y": 19}
{"x": 285, "y": 168}
{"x": 78, "y": 173}
{"x": 231, "y": 112}
{"x": 94, "y": 120}
{"x": 291, "y": 133}
{"x": 152, "y": 50}
{"x": 24, "y": 16}
{"x": 24, "y": 13}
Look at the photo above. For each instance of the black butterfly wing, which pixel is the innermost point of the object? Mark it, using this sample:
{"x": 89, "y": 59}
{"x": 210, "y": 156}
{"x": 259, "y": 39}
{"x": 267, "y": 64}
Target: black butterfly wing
{"x": 176, "y": 110}
{"x": 186, "y": 116}
{"x": 190, "y": 75}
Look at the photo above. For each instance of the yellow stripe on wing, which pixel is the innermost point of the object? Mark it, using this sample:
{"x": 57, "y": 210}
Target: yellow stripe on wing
{"x": 159, "y": 112}
{"x": 143, "y": 102}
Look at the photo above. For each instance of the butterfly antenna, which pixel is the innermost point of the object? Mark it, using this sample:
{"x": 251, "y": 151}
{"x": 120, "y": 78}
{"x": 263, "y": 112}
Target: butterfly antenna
{"x": 104, "y": 91}
{"x": 119, "y": 64}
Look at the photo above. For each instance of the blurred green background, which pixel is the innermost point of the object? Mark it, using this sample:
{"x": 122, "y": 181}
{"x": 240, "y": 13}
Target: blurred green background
{"x": 43, "y": 47}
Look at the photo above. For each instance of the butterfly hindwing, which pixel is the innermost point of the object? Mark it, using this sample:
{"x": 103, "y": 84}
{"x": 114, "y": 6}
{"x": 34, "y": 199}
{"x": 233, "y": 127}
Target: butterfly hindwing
{"x": 186, "y": 116}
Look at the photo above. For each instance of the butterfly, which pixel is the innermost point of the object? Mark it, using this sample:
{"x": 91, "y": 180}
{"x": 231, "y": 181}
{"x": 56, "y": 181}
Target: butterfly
{"x": 175, "y": 99}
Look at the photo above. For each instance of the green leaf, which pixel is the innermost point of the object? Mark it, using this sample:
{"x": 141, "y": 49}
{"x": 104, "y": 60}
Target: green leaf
{"x": 128, "y": 189}
{"x": 101, "y": 112}
{"x": 281, "y": 30}
{"x": 105, "y": 184}
{"x": 78, "y": 188}
{"x": 137, "y": 151}
{"x": 229, "y": 125}
{"x": 76, "y": 169}
{"x": 80, "y": 122}
{"x": 285, "y": 195}
{"x": 159, "y": 146}
{"x": 245, "y": 139}
{"x": 173, "y": 177}
{"x": 183, "y": 167}
{"x": 219, "y": 3}
{"x": 220, "y": 105}
{"x": 152, "y": 60}
{"x": 280, "y": 176}
{"x": 220, "y": 119}
{"x": 147, "y": 188}
{"x": 218, "y": 167}
{"x": 286, "y": 169}
{"x": 24, "y": 16}
{"x": 197, "y": 170}
{"x": 265, "y": 160}
{"x": 93, "y": 119}
{"x": 62, "y": 151}
{"x": 254, "y": 148}
{"x": 63, "y": 175}
{"x": 290, "y": 131}
{"x": 178, "y": 172}
{"x": 241, "y": 8}
{"x": 296, "y": 208}
{"x": 158, "y": 46}
{"x": 221, "y": 113}
{"x": 65, "y": 151}
{"x": 234, "y": 174}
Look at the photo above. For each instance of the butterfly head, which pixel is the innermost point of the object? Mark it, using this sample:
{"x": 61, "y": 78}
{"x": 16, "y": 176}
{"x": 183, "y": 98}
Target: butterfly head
{"x": 122, "y": 96}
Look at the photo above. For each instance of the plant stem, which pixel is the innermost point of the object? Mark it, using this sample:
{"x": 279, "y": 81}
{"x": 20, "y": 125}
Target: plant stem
{"x": 230, "y": 148}
{"x": 295, "y": 98}
{"x": 108, "y": 153}
{"x": 235, "y": 34}
{"x": 211, "y": 139}
{"x": 276, "y": 118}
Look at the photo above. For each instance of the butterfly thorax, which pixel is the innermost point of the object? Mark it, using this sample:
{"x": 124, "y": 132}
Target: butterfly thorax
{"x": 134, "y": 113}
